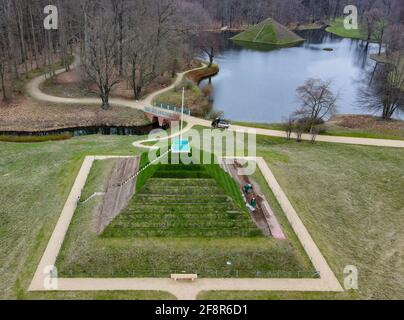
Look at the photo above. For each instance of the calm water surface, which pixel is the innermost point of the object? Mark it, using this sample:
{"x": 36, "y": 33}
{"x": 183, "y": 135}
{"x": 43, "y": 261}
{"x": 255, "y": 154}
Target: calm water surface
{"x": 259, "y": 86}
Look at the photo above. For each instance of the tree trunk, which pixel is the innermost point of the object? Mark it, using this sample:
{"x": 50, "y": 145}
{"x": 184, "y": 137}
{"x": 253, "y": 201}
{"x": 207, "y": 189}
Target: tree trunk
{"x": 137, "y": 92}
{"x": 20, "y": 27}
{"x": 10, "y": 39}
{"x": 34, "y": 42}
{"x": 50, "y": 58}
{"x": 211, "y": 57}
{"x": 86, "y": 39}
{"x": 3, "y": 85}
{"x": 121, "y": 44}
{"x": 387, "y": 112}
{"x": 105, "y": 100}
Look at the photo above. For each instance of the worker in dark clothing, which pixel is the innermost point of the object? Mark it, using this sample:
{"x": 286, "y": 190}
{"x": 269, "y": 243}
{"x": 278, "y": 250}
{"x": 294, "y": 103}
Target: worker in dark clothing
{"x": 253, "y": 202}
{"x": 247, "y": 188}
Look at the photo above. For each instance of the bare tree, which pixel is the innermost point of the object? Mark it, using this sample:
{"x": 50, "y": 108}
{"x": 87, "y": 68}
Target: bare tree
{"x": 299, "y": 128}
{"x": 3, "y": 60}
{"x": 119, "y": 9}
{"x": 208, "y": 44}
{"x": 3, "y": 68}
{"x": 314, "y": 134}
{"x": 317, "y": 101}
{"x": 140, "y": 63}
{"x": 370, "y": 21}
{"x": 380, "y": 28}
{"x": 100, "y": 61}
{"x": 289, "y": 126}
{"x": 163, "y": 17}
{"x": 394, "y": 40}
{"x": 384, "y": 94}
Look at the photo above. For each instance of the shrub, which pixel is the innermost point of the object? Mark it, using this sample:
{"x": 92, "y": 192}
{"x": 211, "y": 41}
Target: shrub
{"x": 34, "y": 139}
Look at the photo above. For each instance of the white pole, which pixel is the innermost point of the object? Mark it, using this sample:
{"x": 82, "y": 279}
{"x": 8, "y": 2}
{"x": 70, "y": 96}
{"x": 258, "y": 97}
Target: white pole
{"x": 182, "y": 112}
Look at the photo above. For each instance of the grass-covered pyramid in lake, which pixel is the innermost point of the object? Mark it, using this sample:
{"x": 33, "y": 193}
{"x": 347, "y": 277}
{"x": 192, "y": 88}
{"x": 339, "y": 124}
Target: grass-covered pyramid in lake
{"x": 269, "y": 32}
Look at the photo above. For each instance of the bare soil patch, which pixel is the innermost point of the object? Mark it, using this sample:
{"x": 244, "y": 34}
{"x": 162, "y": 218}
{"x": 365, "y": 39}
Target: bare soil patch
{"x": 73, "y": 84}
{"x": 23, "y": 114}
{"x": 118, "y": 194}
{"x": 72, "y": 76}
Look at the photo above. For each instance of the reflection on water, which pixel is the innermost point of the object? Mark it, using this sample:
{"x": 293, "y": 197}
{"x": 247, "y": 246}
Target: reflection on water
{"x": 258, "y": 85}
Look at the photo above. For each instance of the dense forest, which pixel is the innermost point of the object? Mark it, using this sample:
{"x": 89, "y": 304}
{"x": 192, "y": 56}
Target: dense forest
{"x": 139, "y": 39}
{"x": 234, "y": 13}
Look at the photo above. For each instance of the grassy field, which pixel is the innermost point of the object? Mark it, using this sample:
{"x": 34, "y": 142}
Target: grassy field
{"x": 333, "y": 130}
{"x": 337, "y": 27}
{"x": 273, "y": 295}
{"x": 29, "y": 139}
{"x": 35, "y": 180}
{"x": 101, "y": 295}
{"x": 349, "y": 197}
{"x": 181, "y": 220}
{"x": 339, "y": 131}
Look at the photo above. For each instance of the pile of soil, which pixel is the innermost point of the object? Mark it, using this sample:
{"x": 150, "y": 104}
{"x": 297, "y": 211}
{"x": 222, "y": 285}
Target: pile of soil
{"x": 118, "y": 194}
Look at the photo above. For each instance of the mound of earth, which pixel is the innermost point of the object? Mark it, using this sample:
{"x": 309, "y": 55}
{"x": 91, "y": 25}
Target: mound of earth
{"x": 183, "y": 201}
{"x": 269, "y": 32}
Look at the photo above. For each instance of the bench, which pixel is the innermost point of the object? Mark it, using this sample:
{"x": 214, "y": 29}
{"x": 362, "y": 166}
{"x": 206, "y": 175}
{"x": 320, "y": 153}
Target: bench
{"x": 182, "y": 276}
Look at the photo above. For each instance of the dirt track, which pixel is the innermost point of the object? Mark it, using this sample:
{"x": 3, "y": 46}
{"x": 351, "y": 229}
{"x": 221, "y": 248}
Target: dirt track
{"x": 117, "y": 196}
{"x": 263, "y": 216}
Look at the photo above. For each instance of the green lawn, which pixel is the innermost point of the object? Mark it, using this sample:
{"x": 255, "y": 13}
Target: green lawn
{"x": 182, "y": 219}
{"x": 335, "y": 130}
{"x": 24, "y": 139}
{"x": 274, "y": 295}
{"x": 101, "y": 295}
{"x": 337, "y": 27}
{"x": 35, "y": 180}
{"x": 371, "y": 133}
{"x": 350, "y": 199}
{"x": 270, "y": 126}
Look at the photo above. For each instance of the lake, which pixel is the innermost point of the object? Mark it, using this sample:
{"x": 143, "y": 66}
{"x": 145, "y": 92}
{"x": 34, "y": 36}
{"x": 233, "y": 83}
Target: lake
{"x": 259, "y": 86}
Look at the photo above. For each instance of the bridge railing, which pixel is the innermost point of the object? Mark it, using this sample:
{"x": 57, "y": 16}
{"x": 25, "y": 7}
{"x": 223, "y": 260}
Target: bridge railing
{"x": 171, "y": 108}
